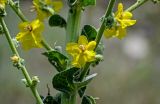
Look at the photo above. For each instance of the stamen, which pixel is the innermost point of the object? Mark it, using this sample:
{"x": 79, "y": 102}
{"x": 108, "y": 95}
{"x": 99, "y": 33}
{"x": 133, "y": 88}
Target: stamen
{"x": 82, "y": 47}
{"x": 28, "y": 28}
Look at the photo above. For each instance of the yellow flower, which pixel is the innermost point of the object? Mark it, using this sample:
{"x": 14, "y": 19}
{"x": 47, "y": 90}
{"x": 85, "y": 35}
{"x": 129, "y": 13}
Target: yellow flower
{"x": 123, "y": 19}
{"x": 30, "y": 34}
{"x": 82, "y": 52}
{"x": 2, "y": 3}
{"x": 46, "y": 8}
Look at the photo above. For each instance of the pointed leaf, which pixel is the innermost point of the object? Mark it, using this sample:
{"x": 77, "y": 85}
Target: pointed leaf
{"x": 57, "y": 59}
{"x": 90, "y": 32}
{"x": 86, "y": 81}
{"x": 63, "y": 81}
{"x": 88, "y": 100}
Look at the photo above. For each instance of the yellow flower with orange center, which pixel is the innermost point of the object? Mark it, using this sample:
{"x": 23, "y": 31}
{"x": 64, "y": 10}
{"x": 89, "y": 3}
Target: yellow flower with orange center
{"x": 123, "y": 19}
{"x": 46, "y": 8}
{"x": 82, "y": 52}
{"x": 30, "y": 34}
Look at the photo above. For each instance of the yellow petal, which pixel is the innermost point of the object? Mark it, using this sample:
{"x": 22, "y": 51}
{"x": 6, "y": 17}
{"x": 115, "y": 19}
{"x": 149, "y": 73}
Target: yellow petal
{"x": 108, "y": 33}
{"x": 36, "y": 24}
{"x": 126, "y": 22}
{"x": 121, "y": 32}
{"x": 22, "y": 26}
{"x": 127, "y": 15}
{"x": 82, "y": 40}
{"x": 91, "y": 45}
{"x": 90, "y": 55}
{"x": 120, "y": 8}
{"x": 57, "y": 5}
{"x": 20, "y": 35}
{"x": 73, "y": 49}
{"x": 28, "y": 42}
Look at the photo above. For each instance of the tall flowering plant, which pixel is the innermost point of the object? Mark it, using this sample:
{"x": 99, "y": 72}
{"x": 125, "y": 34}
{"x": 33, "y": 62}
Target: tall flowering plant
{"x": 83, "y": 47}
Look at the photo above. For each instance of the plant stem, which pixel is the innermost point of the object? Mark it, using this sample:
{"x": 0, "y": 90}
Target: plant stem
{"x": 102, "y": 27}
{"x": 73, "y": 24}
{"x": 99, "y": 35}
{"x": 22, "y": 67}
{"x": 72, "y": 33}
{"x": 65, "y": 98}
{"x": 73, "y": 99}
{"x": 46, "y": 45}
{"x": 136, "y": 5}
{"x": 17, "y": 10}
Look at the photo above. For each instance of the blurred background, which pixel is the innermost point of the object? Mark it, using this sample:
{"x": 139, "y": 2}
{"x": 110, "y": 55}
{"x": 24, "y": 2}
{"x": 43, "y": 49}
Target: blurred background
{"x": 129, "y": 74}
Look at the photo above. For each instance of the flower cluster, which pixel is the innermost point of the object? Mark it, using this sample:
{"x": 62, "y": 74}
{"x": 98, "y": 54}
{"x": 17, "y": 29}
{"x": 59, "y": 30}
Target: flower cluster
{"x": 30, "y": 34}
{"x": 123, "y": 20}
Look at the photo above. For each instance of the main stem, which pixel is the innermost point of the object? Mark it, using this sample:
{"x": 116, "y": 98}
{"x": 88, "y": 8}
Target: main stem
{"x": 22, "y": 67}
{"x": 72, "y": 33}
{"x": 73, "y": 24}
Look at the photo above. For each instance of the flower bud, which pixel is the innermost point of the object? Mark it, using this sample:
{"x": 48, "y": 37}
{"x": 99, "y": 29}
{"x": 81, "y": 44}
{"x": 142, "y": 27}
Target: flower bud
{"x": 35, "y": 80}
{"x": 15, "y": 59}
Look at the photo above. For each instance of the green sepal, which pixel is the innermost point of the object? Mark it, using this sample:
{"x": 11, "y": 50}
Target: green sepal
{"x": 57, "y": 20}
{"x": 88, "y": 100}
{"x": 109, "y": 21}
{"x": 63, "y": 81}
{"x": 88, "y": 2}
{"x": 57, "y": 59}
{"x": 90, "y": 32}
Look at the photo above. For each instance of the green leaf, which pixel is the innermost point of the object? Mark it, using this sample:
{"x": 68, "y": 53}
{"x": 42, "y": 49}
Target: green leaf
{"x": 82, "y": 90}
{"x": 53, "y": 100}
{"x": 82, "y": 85}
{"x": 88, "y": 100}
{"x": 48, "y": 100}
{"x": 85, "y": 81}
{"x": 88, "y": 2}
{"x": 57, "y": 59}
{"x": 57, "y": 20}
{"x": 63, "y": 81}
{"x": 90, "y": 32}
